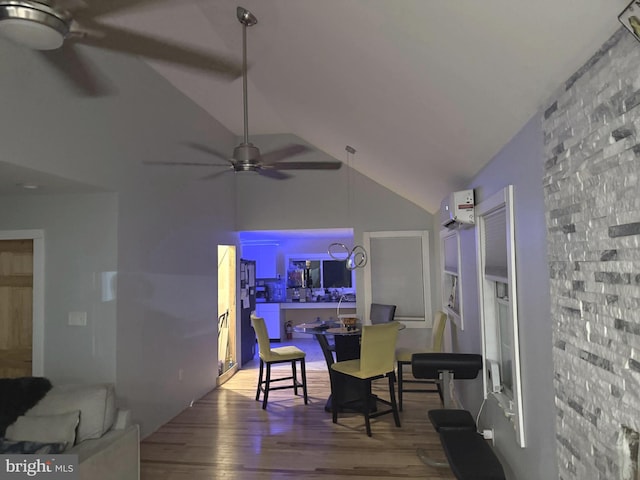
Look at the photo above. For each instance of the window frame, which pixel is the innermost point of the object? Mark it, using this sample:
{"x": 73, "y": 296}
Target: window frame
{"x": 319, "y": 257}
{"x": 512, "y": 405}
{"x": 449, "y": 276}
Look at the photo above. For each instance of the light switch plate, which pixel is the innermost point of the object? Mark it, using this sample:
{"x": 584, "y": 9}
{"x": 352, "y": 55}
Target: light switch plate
{"x": 78, "y": 319}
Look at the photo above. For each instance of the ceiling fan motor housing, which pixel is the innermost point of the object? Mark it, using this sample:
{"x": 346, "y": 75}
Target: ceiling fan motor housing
{"x": 246, "y": 154}
{"x": 33, "y": 24}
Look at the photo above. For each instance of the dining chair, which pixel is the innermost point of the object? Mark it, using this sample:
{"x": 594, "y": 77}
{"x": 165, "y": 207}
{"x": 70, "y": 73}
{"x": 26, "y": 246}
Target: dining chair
{"x": 270, "y": 356}
{"x": 377, "y": 360}
{"x": 403, "y": 357}
{"x": 381, "y": 313}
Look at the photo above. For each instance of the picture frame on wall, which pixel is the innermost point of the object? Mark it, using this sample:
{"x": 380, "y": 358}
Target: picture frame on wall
{"x": 630, "y": 18}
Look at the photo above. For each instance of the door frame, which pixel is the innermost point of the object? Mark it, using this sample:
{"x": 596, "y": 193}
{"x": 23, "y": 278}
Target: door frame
{"x": 37, "y": 342}
{"x": 230, "y": 288}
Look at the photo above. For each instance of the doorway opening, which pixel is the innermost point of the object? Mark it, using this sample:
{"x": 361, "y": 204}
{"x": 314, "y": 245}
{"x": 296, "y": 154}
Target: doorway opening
{"x": 227, "y": 351}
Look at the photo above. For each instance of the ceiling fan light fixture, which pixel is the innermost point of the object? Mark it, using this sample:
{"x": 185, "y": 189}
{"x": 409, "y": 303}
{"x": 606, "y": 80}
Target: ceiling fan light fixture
{"x": 36, "y": 28}
{"x": 355, "y": 257}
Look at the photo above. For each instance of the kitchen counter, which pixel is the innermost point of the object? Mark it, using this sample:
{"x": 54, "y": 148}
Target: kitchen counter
{"x": 296, "y": 313}
{"x": 298, "y": 305}
{"x": 311, "y": 305}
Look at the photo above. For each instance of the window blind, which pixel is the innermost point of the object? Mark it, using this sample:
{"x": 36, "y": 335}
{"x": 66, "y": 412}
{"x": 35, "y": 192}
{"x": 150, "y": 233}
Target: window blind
{"x": 397, "y": 274}
{"x": 495, "y": 244}
{"x": 451, "y": 253}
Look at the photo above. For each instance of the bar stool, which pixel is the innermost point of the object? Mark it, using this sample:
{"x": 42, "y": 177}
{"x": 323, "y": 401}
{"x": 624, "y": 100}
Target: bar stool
{"x": 270, "y": 356}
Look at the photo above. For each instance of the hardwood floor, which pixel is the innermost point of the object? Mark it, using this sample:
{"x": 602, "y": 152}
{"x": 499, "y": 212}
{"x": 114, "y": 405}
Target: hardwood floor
{"x": 227, "y": 435}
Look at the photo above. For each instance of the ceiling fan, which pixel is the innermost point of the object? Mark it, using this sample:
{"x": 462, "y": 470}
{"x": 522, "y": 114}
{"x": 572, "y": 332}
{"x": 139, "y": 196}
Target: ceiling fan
{"x": 246, "y": 156}
{"x": 55, "y": 26}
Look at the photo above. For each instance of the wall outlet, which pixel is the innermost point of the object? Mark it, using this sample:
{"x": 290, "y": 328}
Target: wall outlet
{"x": 180, "y": 374}
{"x": 77, "y": 319}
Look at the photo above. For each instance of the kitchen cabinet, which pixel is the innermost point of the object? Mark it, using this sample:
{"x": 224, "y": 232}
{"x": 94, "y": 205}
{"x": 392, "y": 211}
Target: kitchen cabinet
{"x": 271, "y": 314}
{"x": 265, "y": 257}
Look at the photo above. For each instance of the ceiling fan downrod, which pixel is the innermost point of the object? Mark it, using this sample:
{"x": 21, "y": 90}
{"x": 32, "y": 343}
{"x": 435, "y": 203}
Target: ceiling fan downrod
{"x": 247, "y": 19}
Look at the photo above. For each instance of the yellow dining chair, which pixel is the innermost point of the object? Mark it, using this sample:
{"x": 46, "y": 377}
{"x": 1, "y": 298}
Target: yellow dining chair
{"x": 377, "y": 360}
{"x": 403, "y": 357}
{"x": 270, "y": 356}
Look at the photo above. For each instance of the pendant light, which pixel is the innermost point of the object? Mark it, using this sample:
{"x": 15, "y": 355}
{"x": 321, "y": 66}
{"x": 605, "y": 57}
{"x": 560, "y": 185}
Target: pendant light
{"x": 355, "y": 257}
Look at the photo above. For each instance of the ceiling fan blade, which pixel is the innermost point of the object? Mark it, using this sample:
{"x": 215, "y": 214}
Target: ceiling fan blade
{"x": 307, "y": 166}
{"x": 70, "y": 5}
{"x": 185, "y": 164}
{"x": 126, "y": 41}
{"x": 76, "y": 68}
{"x": 275, "y": 156}
{"x": 207, "y": 150}
{"x": 217, "y": 174}
{"x": 272, "y": 173}
{"x": 96, "y": 8}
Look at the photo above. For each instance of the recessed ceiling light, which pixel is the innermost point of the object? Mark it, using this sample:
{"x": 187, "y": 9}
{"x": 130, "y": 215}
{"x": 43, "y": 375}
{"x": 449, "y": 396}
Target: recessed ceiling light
{"x": 29, "y": 186}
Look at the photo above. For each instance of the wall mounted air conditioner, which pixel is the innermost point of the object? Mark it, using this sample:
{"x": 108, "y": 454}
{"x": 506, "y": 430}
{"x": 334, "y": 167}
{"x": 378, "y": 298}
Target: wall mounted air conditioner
{"x": 457, "y": 209}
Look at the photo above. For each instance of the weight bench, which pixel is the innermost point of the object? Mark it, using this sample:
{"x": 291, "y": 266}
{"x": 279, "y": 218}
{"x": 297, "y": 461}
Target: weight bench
{"x": 467, "y": 452}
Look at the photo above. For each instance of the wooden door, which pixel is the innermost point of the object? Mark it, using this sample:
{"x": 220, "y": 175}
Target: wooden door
{"x": 16, "y": 307}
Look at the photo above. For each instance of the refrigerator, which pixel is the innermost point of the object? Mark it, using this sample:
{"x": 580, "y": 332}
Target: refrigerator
{"x": 248, "y": 345}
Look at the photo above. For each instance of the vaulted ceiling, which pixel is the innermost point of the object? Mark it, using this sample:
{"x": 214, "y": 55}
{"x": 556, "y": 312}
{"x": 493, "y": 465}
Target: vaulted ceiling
{"x": 426, "y": 91}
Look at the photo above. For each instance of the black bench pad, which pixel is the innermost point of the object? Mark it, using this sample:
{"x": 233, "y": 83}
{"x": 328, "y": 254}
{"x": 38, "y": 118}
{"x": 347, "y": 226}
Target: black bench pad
{"x": 451, "y": 419}
{"x": 469, "y": 456}
{"x": 465, "y": 366}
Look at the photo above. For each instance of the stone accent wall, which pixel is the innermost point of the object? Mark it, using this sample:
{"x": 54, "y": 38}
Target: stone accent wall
{"x": 592, "y": 201}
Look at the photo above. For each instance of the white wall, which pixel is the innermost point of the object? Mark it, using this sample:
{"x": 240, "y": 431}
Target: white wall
{"x": 80, "y": 248}
{"x": 168, "y": 287}
{"x": 518, "y": 163}
{"x": 160, "y": 228}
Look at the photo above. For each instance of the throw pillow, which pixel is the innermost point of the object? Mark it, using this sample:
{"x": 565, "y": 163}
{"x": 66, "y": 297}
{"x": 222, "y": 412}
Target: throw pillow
{"x": 95, "y": 402}
{"x": 9, "y": 447}
{"x": 45, "y": 428}
{"x": 17, "y": 395}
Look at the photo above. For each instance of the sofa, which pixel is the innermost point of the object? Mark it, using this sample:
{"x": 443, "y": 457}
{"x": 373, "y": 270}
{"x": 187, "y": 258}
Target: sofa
{"x": 39, "y": 418}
